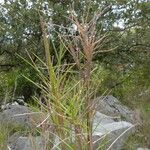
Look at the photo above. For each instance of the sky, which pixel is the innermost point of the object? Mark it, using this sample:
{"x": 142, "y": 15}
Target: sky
{"x": 117, "y": 24}
{"x": 1, "y": 1}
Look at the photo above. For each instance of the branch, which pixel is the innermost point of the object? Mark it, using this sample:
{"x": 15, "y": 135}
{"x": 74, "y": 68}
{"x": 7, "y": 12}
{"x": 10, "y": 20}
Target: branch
{"x": 135, "y": 45}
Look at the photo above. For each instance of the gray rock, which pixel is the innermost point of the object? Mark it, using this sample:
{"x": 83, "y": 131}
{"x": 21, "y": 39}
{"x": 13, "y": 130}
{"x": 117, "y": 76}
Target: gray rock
{"x": 140, "y": 148}
{"x": 26, "y": 143}
{"x": 16, "y": 114}
{"x": 110, "y": 106}
{"x": 102, "y": 119}
{"x": 8, "y": 105}
{"x": 104, "y": 127}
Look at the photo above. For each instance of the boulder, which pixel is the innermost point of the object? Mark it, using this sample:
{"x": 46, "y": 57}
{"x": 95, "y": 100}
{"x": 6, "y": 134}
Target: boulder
{"x": 105, "y": 131}
{"x": 17, "y": 114}
{"x": 140, "y": 148}
{"x": 112, "y": 132}
{"x": 110, "y": 106}
{"x": 27, "y": 143}
{"x": 108, "y": 130}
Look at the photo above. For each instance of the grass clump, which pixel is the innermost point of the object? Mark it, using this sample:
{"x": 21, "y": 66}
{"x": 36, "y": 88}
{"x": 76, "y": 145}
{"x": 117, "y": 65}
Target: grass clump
{"x": 68, "y": 92}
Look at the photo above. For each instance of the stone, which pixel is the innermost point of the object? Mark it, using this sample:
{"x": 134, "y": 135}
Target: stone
{"x": 102, "y": 118}
{"x": 104, "y": 127}
{"x": 140, "y": 148}
{"x": 17, "y": 114}
{"x": 108, "y": 130}
{"x": 27, "y": 143}
{"x": 110, "y": 106}
{"x": 8, "y": 105}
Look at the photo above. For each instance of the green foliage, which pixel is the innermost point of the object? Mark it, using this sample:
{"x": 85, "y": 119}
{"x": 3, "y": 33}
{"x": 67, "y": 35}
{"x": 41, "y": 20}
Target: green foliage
{"x": 20, "y": 30}
{"x": 7, "y": 82}
{"x": 12, "y": 83}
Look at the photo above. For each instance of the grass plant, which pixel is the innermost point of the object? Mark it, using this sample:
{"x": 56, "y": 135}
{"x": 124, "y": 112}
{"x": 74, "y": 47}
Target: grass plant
{"x": 67, "y": 93}
{"x": 68, "y": 89}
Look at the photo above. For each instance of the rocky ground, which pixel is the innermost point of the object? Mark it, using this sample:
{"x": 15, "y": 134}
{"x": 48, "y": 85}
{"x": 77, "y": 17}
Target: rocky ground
{"x": 112, "y": 119}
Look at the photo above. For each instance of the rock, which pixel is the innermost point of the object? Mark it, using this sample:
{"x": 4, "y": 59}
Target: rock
{"x": 110, "y": 106}
{"x": 26, "y": 143}
{"x": 16, "y": 114}
{"x": 12, "y": 140}
{"x": 140, "y": 148}
{"x": 101, "y": 118}
{"x": 7, "y": 106}
{"x": 105, "y": 127}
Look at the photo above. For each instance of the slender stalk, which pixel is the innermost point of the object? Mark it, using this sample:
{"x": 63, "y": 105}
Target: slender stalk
{"x": 88, "y": 105}
{"x": 78, "y": 135}
{"x": 54, "y": 85}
